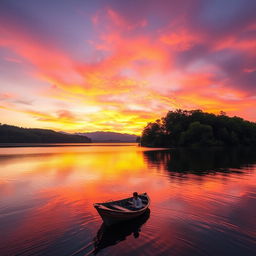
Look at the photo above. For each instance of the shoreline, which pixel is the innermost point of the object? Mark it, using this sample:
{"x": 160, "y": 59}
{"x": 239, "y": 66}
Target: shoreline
{"x": 16, "y": 145}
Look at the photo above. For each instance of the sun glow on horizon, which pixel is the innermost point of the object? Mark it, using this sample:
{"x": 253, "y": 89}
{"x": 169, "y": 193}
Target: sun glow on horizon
{"x": 105, "y": 67}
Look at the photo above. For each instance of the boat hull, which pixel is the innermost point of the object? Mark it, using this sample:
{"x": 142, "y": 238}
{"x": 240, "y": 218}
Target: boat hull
{"x": 111, "y": 217}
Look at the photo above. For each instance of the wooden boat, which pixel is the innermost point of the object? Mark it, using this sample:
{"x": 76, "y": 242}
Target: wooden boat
{"x": 121, "y": 210}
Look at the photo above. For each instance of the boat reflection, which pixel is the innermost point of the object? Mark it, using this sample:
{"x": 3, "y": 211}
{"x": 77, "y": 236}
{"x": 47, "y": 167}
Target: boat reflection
{"x": 112, "y": 235}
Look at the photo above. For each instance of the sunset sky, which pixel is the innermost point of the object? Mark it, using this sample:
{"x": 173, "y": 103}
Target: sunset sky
{"x": 81, "y": 65}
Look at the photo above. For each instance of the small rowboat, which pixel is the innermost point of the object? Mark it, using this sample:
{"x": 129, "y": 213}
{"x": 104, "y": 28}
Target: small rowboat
{"x": 121, "y": 210}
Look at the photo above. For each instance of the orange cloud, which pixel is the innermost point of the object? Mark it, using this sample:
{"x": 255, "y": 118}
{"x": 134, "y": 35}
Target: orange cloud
{"x": 180, "y": 40}
{"x": 135, "y": 79}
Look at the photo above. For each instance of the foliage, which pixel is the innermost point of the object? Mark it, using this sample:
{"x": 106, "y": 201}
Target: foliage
{"x": 14, "y": 134}
{"x": 197, "y": 128}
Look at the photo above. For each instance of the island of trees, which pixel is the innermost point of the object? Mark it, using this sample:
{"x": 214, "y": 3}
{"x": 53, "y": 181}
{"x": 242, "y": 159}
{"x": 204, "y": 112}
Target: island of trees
{"x": 182, "y": 128}
{"x": 14, "y": 134}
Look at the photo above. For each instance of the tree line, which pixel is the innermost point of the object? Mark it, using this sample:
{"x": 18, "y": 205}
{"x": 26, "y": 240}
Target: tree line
{"x": 14, "y": 134}
{"x": 197, "y": 128}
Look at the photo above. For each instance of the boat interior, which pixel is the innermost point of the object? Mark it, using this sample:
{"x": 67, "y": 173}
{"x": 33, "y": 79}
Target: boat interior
{"x": 124, "y": 205}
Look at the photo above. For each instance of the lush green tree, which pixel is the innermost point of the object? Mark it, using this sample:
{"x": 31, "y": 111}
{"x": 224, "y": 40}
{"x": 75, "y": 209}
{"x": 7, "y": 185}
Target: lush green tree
{"x": 197, "y": 134}
{"x": 198, "y": 128}
{"x": 153, "y": 134}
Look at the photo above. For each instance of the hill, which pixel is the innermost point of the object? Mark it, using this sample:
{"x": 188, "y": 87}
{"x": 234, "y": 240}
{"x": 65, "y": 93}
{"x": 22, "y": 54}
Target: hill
{"x": 14, "y": 134}
{"x": 109, "y": 136}
{"x": 197, "y": 128}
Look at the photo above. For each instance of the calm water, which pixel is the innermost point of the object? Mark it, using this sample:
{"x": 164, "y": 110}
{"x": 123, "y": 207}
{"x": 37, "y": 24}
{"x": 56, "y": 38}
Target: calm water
{"x": 203, "y": 202}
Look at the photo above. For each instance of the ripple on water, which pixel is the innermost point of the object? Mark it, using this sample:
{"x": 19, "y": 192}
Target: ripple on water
{"x": 46, "y": 203}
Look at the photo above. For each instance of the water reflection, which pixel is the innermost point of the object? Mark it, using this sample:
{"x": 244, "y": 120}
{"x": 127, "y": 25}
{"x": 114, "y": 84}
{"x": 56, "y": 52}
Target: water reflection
{"x": 109, "y": 236}
{"x": 202, "y": 202}
{"x": 201, "y": 162}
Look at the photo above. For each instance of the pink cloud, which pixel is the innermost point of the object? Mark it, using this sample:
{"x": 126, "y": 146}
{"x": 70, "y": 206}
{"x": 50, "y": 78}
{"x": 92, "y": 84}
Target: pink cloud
{"x": 141, "y": 74}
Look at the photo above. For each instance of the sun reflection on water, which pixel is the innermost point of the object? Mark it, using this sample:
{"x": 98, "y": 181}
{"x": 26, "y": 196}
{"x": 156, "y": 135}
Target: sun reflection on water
{"x": 47, "y": 197}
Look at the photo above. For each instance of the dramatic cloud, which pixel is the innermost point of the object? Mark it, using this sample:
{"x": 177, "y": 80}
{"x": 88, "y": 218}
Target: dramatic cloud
{"x": 114, "y": 65}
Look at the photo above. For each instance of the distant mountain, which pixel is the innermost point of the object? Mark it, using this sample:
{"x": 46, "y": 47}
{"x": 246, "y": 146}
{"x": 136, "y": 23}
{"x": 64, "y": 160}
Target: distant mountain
{"x": 14, "y": 134}
{"x": 109, "y": 136}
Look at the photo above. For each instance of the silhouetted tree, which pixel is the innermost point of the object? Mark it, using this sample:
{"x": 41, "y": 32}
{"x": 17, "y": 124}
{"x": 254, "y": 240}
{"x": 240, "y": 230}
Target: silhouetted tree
{"x": 14, "y": 134}
{"x": 197, "y": 128}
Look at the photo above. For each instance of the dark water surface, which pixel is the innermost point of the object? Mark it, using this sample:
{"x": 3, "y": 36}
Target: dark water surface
{"x": 203, "y": 202}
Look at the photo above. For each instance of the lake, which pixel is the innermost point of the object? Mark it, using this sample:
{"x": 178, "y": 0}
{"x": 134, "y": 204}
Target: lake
{"x": 203, "y": 201}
